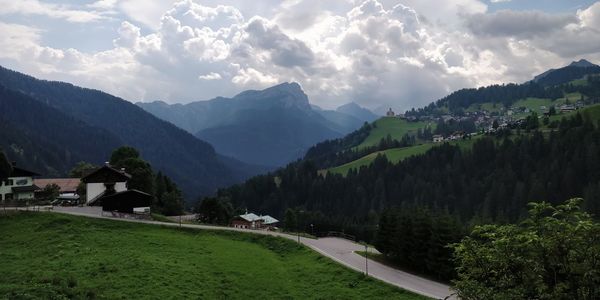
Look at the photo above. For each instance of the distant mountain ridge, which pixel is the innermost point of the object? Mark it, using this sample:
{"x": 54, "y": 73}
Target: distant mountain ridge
{"x": 574, "y": 70}
{"x": 199, "y": 115}
{"x": 358, "y": 112}
{"x": 270, "y": 127}
{"x": 550, "y": 84}
{"x": 193, "y": 164}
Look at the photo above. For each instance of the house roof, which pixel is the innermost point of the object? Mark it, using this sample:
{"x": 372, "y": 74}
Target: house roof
{"x": 250, "y": 217}
{"x": 268, "y": 220}
{"x": 27, "y": 188}
{"x": 106, "y": 174}
{"x": 18, "y": 172}
{"x": 65, "y": 184}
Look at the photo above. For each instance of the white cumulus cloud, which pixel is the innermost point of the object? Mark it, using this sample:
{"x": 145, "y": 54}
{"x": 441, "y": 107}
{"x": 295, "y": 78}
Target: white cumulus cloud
{"x": 379, "y": 53}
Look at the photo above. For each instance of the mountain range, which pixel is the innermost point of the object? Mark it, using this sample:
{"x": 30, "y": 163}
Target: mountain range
{"x": 270, "y": 127}
{"x": 575, "y": 70}
{"x": 49, "y": 126}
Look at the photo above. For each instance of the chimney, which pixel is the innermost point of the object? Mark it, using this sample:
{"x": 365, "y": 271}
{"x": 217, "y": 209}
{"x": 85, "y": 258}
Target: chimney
{"x": 107, "y": 164}
{"x": 122, "y": 170}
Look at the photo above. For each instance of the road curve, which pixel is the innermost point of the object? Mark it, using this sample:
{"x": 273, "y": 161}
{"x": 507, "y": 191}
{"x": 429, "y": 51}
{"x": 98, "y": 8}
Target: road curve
{"x": 340, "y": 250}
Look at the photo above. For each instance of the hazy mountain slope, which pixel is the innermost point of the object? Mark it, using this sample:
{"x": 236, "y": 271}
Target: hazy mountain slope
{"x": 192, "y": 163}
{"x": 199, "y": 115}
{"x": 270, "y": 127}
{"x": 270, "y": 137}
{"x": 358, "y": 112}
{"x": 342, "y": 122}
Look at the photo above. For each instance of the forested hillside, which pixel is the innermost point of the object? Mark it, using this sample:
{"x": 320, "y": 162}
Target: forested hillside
{"x": 44, "y": 139}
{"x": 192, "y": 163}
{"x": 492, "y": 182}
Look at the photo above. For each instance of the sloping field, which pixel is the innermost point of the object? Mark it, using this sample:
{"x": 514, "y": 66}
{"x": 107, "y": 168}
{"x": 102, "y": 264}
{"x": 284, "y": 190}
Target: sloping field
{"x": 395, "y": 155}
{"x": 395, "y": 127}
{"x": 52, "y": 256}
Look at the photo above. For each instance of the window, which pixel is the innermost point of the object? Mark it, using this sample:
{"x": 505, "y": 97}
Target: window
{"x": 22, "y": 181}
{"x": 8, "y": 196}
{"x": 8, "y": 182}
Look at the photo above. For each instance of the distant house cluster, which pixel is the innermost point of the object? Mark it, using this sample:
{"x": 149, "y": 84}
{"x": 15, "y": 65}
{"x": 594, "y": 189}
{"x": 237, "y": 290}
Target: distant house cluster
{"x": 67, "y": 189}
{"x": 458, "y": 135}
{"x": 105, "y": 187}
{"x": 253, "y": 221}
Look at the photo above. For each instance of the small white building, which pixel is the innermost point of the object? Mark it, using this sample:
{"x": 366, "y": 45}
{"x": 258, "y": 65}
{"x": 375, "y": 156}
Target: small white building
{"x": 438, "y": 138}
{"x": 253, "y": 221}
{"x": 18, "y": 186}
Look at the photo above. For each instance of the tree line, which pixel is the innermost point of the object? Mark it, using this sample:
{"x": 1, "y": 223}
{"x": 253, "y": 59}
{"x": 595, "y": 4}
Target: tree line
{"x": 490, "y": 183}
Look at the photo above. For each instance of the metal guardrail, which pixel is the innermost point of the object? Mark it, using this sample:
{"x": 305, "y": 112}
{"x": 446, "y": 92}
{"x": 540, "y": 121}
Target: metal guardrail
{"x": 116, "y": 214}
{"x": 337, "y": 234}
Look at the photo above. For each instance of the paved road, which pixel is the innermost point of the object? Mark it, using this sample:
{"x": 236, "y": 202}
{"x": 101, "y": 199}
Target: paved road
{"x": 340, "y": 250}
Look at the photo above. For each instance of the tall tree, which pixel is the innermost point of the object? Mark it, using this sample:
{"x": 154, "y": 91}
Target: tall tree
{"x": 142, "y": 177}
{"x": 215, "y": 211}
{"x": 81, "y": 168}
{"x": 553, "y": 254}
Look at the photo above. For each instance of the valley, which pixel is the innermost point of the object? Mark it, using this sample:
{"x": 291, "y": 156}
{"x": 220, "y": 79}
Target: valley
{"x": 300, "y": 149}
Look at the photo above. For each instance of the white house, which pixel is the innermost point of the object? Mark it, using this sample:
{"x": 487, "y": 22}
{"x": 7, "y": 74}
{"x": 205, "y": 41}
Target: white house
{"x": 18, "y": 186}
{"x": 253, "y": 221}
{"x": 438, "y": 138}
{"x": 103, "y": 180}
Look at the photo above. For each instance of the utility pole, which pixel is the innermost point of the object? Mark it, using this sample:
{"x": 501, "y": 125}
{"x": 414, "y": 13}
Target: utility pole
{"x": 367, "y": 259}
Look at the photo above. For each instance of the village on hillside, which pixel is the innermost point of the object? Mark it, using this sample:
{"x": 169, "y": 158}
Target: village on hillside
{"x": 492, "y": 120}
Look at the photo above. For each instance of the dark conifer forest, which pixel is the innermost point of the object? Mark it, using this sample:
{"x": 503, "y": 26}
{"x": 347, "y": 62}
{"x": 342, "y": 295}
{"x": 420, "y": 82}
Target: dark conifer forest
{"x": 413, "y": 209}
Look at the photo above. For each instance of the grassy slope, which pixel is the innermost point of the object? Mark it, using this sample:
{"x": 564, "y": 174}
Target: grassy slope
{"x": 395, "y": 127}
{"x": 591, "y": 112}
{"x": 46, "y": 255}
{"x": 395, "y": 155}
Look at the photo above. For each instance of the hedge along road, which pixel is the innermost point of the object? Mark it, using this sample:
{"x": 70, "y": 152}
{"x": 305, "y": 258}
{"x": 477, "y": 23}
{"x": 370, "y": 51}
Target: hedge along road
{"x": 338, "y": 249}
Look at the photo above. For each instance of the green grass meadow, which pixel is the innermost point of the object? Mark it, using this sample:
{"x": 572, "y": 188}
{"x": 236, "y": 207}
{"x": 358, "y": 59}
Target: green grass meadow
{"x": 53, "y": 256}
{"x": 396, "y": 155}
{"x": 395, "y": 127}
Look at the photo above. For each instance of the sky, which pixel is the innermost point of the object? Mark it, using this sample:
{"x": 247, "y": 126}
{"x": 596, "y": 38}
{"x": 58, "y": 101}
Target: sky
{"x": 377, "y": 53}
